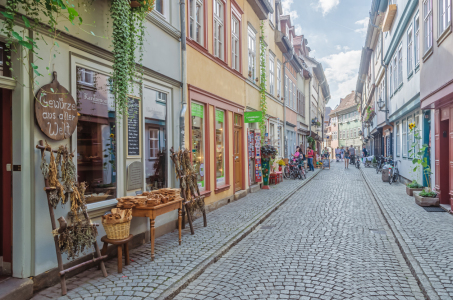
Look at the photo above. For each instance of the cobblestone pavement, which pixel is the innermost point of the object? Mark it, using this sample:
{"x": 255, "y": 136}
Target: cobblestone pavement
{"x": 425, "y": 237}
{"x": 328, "y": 241}
{"x": 173, "y": 264}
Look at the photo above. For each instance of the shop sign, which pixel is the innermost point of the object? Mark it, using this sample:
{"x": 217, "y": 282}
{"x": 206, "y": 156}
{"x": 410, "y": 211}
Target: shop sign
{"x": 253, "y": 117}
{"x": 56, "y": 110}
{"x": 219, "y": 115}
{"x": 134, "y": 176}
{"x": 133, "y": 127}
{"x": 197, "y": 110}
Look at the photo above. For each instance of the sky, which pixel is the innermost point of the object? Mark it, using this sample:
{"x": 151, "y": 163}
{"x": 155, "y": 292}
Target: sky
{"x": 335, "y": 31}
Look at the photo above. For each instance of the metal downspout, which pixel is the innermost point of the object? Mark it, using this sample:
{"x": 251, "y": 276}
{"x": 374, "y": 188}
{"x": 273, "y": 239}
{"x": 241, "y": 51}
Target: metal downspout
{"x": 284, "y": 107}
{"x": 309, "y": 104}
{"x": 385, "y": 88}
{"x": 182, "y": 13}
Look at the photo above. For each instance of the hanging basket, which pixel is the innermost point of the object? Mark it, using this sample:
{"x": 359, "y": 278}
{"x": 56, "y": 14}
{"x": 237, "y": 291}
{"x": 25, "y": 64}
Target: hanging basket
{"x": 117, "y": 231}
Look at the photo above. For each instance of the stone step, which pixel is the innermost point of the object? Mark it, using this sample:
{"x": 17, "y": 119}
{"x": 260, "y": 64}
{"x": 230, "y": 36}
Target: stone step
{"x": 16, "y": 288}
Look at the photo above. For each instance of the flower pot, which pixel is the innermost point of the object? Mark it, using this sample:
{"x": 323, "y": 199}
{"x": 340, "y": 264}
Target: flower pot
{"x": 134, "y": 4}
{"x": 280, "y": 168}
{"x": 425, "y": 201}
{"x": 410, "y": 191}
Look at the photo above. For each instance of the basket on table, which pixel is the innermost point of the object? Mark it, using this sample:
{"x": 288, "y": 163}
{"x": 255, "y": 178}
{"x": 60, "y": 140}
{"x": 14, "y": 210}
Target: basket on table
{"x": 117, "y": 224}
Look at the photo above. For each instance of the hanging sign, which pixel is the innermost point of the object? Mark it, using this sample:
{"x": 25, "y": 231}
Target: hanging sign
{"x": 133, "y": 127}
{"x": 56, "y": 110}
{"x": 253, "y": 116}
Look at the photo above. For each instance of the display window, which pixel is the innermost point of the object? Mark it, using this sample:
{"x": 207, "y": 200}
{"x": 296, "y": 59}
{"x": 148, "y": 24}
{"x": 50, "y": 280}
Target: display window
{"x": 220, "y": 147}
{"x": 198, "y": 143}
{"x": 96, "y": 136}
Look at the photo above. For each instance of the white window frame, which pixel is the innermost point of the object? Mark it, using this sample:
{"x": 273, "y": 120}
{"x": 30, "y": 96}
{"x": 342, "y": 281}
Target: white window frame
{"x": 410, "y": 138}
{"x": 397, "y": 140}
{"x": 444, "y": 15}
{"x": 410, "y": 44}
{"x": 252, "y": 52}
{"x": 400, "y": 65}
{"x": 294, "y": 97}
{"x": 271, "y": 15}
{"x": 219, "y": 29}
{"x": 427, "y": 25}
{"x": 235, "y": 43}
{"x": 404, "y": 141}
{"x": 417, "y": 39}
{"x": 391, "y": 77}
{"x": 279, "y": 79}
{"x": 153, "y": 139}
{"x": 395, "y": 73}
{"x": 196, "y": 21}
{"x": 290, "y": 93}
{"x": 271, "y": 74}
{"x": 84, "y": 74}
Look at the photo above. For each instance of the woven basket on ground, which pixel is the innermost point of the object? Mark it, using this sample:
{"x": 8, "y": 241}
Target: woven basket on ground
{"x": 117, "y": 231}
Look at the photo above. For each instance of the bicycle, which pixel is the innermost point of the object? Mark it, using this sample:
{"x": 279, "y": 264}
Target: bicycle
{"x": 380, "y": 163}
{"x": 394, "y": 173}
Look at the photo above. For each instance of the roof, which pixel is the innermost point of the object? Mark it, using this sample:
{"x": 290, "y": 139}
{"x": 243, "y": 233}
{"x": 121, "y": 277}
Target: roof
{"x": 345, "y": 103}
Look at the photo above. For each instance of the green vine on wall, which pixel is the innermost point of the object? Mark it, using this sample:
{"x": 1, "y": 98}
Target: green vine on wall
{"x": 38, "y": 20}
{"x": 263, "y": 103}
{"x": 128, "y": 33}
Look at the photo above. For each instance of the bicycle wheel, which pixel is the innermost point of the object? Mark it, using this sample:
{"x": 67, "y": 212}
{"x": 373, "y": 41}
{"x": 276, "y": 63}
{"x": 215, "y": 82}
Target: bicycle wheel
{"x": 391, "y": 179}
{"x": 304, "y": 173}
{"x": 286, "y": 172}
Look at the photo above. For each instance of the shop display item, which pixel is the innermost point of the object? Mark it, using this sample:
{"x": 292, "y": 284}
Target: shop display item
{"x": 61, "y": 185}
{"x": 117, "y": 223}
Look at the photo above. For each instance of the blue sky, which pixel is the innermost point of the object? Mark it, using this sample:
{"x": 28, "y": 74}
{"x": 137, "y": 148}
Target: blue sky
{"x": 335, "y": 30}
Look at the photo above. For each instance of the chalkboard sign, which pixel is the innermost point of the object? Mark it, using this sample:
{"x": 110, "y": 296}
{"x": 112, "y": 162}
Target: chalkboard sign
{"x": 133, "y": 128}
{"x": 326, "y": 163}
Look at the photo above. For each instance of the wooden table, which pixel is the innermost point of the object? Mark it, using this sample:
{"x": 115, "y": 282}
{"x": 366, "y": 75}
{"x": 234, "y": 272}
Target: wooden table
{"x": 153, "y": 212}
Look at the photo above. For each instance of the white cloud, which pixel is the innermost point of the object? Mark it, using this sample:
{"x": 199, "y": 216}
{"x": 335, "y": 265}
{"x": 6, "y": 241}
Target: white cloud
{"x": 341, "y": 73}
{"x": 286, "y": 6}
{"x": 298, "y": 29}
{"x": 344, "y": 48}
{"x": 327, "y": 5}
{"x": 364, "y": 24}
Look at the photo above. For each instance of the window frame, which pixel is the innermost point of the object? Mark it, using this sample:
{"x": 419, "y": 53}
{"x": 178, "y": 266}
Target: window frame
{"x": 397, "y": 140}
{"x": 191, "y": 9}
{"x": 219, "y": 43}
{"x": 417, "y": 39}
{"x": 447, "y": 13}
{"x": 279, "y": 79}
{"x": 235, "y": 37}
{"x": 206, "y": 140}
{"x": 226, "y": 151}
{"x": 404, "y": 137}
{"x": 410, "y": 45}
{"x": 427, "y": 22}
{"x": 153, "y": 139}
{"x": 251, "y": 36}
{"x": 400, "y": 65}
{"x": 271, "y": 74}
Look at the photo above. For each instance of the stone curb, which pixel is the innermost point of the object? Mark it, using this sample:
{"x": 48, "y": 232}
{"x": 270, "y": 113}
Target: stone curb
{"x": 416, "y": 270}
{"x": 175, "y": 288}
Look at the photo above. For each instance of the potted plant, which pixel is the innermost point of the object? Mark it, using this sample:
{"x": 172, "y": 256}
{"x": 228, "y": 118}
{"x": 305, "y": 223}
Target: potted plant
{"x": 412, "y": 187}
{"x": 281, "y": 164}
{"x": 427, "y": 197}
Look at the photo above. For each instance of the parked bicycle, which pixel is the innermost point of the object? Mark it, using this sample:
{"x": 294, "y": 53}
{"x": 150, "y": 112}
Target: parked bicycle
{"x": 381, "y": 160}
{"x": 394, "y": 174}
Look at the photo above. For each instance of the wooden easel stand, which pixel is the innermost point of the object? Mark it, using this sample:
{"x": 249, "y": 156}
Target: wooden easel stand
{"x": 63, "y": 271}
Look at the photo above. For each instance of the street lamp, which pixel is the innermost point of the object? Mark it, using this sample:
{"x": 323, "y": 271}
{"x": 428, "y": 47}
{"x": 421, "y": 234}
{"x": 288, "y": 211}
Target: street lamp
{"x": 381, "y": 105}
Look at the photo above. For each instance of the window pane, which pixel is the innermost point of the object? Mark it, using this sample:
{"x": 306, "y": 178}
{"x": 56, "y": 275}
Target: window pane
{"x": 198, "y": 145}
{"x": 96, "y": 136}
{"x": 219, "y": 144}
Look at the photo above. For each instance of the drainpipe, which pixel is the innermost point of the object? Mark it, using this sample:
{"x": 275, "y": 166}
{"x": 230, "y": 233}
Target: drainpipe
{"x": 182, "y": 13}
{"x": 309, "y": 104}
{"x": 385, "y": 88}
{"x": 284, "y": 105}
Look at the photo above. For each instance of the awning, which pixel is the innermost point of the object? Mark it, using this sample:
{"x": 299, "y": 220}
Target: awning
{"x": 409, "y": 106}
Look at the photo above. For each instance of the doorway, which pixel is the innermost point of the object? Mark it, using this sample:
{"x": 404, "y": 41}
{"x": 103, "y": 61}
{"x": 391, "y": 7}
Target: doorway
{"x": 237, "y": 149}
{"x": 6, "y": 155}
{"x": 444, "y": 162}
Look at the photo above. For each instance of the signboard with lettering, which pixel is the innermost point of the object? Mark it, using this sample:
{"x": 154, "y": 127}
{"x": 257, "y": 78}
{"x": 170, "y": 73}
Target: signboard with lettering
{"x": 253, "y": 116}
{"x": 134, "y": 176}
{"x": 56, "y": 110}
{"x": 133, "y": 127}
{"x": 326, "y": 163}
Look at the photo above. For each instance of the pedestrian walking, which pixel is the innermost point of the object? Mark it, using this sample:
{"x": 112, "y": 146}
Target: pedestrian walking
{"x": 346, "y": 158}
{"x": 364, "y": 154}
{"x": 310, "y": 155}
{"x": 325, "y": 153}
{"x": 352, "y": 154}
{"x": 342, "y": 153}
{"x": 337, "y": 154}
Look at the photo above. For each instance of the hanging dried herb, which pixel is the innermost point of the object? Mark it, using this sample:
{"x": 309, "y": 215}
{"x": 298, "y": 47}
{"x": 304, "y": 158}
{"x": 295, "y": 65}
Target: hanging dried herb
{"x": 76, "y": 238}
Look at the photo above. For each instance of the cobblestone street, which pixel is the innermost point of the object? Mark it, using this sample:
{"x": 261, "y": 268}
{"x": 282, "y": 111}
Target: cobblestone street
{"x": 327, "y": 242}
{"x": 326, "y": 237}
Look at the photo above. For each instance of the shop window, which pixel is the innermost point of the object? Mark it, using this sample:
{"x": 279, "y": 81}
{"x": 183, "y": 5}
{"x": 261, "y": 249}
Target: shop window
{"x": 198, "y": 143}
{"x": 220, "y": 147}
{"x": 4, "y": 61}
{"x": 96, "y": 136}
{"x": 156, "y": 151}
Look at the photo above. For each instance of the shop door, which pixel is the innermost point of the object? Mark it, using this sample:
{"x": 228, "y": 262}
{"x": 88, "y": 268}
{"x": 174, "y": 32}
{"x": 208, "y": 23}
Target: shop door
{"x": 6, "y": 181}
{"x": 237, "y": 147}
{"x": 444, "y": 162}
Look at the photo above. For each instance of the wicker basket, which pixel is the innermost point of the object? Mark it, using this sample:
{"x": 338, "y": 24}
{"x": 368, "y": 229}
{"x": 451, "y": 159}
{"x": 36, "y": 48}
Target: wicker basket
{"x": 117, "y": 231}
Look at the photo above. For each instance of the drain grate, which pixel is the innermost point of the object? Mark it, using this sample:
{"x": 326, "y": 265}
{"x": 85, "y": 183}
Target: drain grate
{"x": 267, "y": 227}
{"x": 378, "y": 231}
{"x": 433, "y": 209}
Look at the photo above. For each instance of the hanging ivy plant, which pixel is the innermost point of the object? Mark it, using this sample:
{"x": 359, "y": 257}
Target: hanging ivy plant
{"x": 263, "y": 103}
{"x": 128, "y": 33}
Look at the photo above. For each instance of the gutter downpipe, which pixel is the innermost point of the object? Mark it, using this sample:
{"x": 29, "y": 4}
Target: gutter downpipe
{"x": 182, "y": 13}
{"x": 386, "y": 92}
{"x": 284, "y": 106}
{"x": 309, "y": 103}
